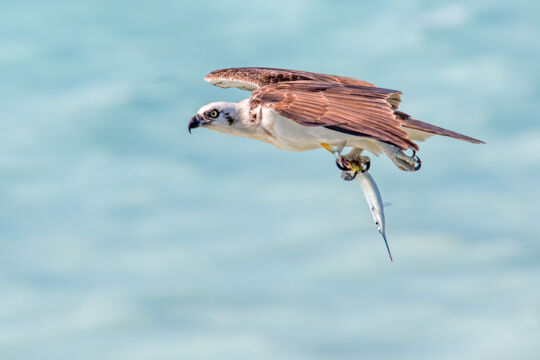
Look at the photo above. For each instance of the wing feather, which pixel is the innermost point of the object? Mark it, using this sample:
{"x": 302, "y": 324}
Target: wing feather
{"x": 351, "y": 109}
{"x": 426, "y": 128}
{"x": 251, "y": 78}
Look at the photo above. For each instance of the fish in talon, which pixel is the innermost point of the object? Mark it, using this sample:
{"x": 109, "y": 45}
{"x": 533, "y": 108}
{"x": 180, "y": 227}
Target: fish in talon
{"x": 369, "y": 188}
{"x": 375, "y": 203}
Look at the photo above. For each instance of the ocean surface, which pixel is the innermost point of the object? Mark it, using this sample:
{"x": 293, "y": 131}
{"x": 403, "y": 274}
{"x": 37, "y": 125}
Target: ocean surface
{"x": 124, "y": 237}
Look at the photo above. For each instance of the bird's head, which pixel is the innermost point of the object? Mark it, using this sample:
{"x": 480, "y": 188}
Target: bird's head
{"x": 220, "y": 116}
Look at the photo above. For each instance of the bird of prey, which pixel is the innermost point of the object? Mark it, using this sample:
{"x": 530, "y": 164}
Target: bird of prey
{"x": 299, "y": 110}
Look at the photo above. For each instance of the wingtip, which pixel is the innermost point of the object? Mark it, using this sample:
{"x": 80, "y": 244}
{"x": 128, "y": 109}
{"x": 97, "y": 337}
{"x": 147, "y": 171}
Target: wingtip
{"x": 470, "y": 139}
{"x": 214, "y": 75}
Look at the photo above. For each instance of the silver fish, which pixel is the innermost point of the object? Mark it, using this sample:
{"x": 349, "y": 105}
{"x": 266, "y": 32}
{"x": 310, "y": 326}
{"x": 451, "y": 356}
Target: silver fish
{"x": 375, "y": 203}
{"x": 370, "y": 190}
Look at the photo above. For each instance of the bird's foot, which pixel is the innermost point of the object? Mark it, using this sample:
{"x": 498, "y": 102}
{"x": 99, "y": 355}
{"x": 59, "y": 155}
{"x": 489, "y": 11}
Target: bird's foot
{"x": 349, "y": 175}
{"x": 403, "y": 161}
{"x": 356, "y": 160}
{"x": 406, "y": 162}
{"x": 351, "y": 168}
{"x": 350, "y": 164}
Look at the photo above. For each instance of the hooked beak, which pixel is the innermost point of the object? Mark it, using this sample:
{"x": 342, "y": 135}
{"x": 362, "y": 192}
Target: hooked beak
{"x": 195, "y": 122}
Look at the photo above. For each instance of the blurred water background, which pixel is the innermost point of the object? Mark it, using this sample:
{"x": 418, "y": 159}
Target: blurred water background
{"x": 123, "y": 237}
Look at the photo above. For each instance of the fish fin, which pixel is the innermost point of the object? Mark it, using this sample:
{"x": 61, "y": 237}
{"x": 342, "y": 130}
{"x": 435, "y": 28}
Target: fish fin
{"x": 387, "y": 204}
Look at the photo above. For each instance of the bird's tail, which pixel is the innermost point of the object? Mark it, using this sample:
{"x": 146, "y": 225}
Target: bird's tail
{"x": 427, "y": 130}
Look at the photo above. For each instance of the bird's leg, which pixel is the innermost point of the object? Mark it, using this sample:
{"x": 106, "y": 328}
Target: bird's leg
{"x": 341, "y": 163}
{"x": 336, "y": 150}
{"x": 350, "y": 164}
{"x": 402, "y": 160}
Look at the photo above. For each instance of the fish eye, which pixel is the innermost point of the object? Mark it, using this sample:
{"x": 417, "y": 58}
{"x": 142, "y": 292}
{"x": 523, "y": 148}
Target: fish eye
{"x": 213, "y": 114}
{"x": 377, "y": 223}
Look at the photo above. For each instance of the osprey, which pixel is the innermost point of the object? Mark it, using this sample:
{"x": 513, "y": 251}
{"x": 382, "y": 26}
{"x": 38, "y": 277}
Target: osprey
{"x": 298, "y": 110}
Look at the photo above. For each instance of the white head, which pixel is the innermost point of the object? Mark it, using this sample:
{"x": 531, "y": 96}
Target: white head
{"x": 221, "y": 116}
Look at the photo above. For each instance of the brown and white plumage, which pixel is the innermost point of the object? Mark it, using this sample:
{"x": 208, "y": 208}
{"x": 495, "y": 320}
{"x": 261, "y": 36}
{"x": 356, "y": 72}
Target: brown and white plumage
{"x": 250, "y": 78}
{"x": 298, "y": 110}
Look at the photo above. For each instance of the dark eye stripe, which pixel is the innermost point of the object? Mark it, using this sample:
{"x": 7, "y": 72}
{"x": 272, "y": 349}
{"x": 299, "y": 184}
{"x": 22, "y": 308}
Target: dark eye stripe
{"x": 229, "y": 118}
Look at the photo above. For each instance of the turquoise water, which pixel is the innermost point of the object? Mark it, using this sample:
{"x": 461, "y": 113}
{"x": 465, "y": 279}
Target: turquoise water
{"x": 123, "y": 237}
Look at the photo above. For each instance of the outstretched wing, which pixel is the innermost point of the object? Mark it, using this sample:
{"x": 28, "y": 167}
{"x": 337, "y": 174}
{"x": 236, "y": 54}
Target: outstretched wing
{"x": 337, "y": 102}
{"x": 251, "y": 78}
{"x": 357, "y": 110}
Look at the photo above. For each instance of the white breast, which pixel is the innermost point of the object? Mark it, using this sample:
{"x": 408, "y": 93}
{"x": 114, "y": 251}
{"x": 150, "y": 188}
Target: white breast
{"x": 289, "y": 135}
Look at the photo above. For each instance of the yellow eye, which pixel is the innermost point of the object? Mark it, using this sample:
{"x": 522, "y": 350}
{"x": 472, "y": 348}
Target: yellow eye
{"x": 214, "y": 114}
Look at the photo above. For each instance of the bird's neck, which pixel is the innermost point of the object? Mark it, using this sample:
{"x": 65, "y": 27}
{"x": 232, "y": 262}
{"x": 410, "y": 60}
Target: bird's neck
{"x": 243, "y": 112}
{"x": 247, "y": 122}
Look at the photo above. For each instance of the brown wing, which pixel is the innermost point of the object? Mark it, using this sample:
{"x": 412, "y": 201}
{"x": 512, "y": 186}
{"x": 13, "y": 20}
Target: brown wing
{"x": 411, "y": 123}
{"x": 251, "y": 78}
{"x": 357, "y": 110}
